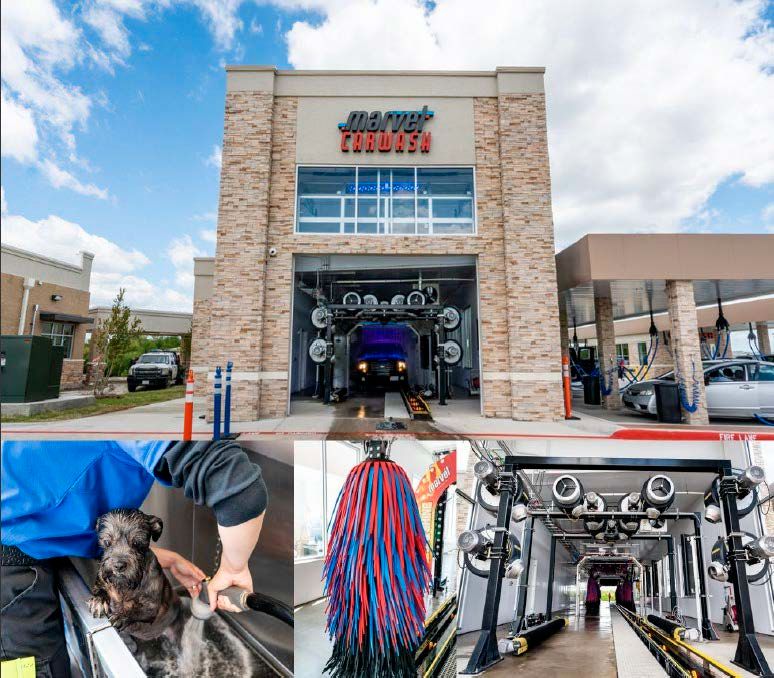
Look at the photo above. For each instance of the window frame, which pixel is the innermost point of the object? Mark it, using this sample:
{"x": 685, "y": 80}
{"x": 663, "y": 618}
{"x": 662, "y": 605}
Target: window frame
{"x": 384, "y": 224}
{"x": 61, "y": 335}
{"x": 325, "y": 503}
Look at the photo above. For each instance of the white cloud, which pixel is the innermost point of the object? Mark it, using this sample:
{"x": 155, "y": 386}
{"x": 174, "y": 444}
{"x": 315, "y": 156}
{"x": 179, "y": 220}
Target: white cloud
{"x": 181, "y": 253}
{"x": 61, "y": 239}
{"x": 114, "y": 266}
{"x": 215, "y": 159}
{"x": 651, "y": 104}
{"x": 18, "y": 135}
{"x": 60, "y": 178}
{"x": 221, "y": 18}
{"x": 3, "y": 203}
{"x": 205, "y": 216}
{"x": 40, "y": 110}
{"x": 209, "y": 235}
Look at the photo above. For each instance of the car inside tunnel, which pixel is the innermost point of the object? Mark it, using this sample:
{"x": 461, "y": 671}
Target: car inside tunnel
{"x": 370, "y": 329}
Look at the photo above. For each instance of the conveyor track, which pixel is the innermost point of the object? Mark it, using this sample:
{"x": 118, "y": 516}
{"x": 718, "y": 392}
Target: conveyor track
{"x": 416, "y": 405}
{"x": 676, "y": 657}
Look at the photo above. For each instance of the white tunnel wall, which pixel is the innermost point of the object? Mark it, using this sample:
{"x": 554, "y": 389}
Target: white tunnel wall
{"x": 762, "y": 599}
{"x": 473, "y": 588}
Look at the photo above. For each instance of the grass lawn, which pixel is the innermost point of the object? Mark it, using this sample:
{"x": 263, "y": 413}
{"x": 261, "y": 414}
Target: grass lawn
{"x": 107, "y": 404}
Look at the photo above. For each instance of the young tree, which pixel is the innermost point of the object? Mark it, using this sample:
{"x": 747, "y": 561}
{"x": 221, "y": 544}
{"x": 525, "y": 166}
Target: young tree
{"x": 110, "y": 339}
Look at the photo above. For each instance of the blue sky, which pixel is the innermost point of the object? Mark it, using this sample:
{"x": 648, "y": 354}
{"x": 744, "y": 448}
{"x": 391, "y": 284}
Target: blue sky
{"x": 126, "y": 97}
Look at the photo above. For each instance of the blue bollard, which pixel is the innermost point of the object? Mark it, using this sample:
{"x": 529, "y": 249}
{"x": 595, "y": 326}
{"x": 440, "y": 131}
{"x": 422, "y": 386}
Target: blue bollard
{"x": 216, "y": 403}
{"x": 227, "y": 413}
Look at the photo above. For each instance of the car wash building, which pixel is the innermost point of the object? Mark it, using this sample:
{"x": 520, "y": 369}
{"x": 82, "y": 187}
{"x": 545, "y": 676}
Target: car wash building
{"x": 387, "y": 216}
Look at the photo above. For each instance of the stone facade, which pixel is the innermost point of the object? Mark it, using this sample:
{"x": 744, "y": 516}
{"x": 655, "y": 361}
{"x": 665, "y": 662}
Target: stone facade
{"x": 764, "y": 340}
{"x": 685, "y": 345}
{"x": 250, "y": 311}
{"x": 608, "y": 365}
{"x": 72, "y": 375}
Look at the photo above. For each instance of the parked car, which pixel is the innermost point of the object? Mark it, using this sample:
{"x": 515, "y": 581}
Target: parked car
{"x": 738, "y": 388}
{"x": 383, "y": 366}
{"x": 157, "y": 368}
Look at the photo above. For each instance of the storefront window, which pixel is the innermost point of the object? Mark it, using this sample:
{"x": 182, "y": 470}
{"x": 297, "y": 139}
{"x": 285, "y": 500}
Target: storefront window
{"x": 320, "y": 469}
{"x": 386, "y": 201}
{"x": 61, "y": 334}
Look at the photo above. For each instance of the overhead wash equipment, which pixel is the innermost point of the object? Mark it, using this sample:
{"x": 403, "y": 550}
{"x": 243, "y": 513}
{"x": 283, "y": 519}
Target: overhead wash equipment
{"x": 376, "y": 572}
{"x": 658, "y": 495}
{"x": 417, "y": 307}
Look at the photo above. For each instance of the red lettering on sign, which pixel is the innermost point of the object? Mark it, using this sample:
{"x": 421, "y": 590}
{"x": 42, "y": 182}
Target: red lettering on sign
{"x": 400, "y": 142}
{"x": 385, "y": 141}
{"x": 369, "y": 142}
{"x": 357, "y": 141}
{"x": 425, "y": 147}
{"x": 344, "y": 137}
{"x": 412, "y": 144}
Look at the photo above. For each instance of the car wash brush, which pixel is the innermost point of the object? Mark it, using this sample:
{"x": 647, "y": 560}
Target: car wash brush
{"x": 376, "y": 572}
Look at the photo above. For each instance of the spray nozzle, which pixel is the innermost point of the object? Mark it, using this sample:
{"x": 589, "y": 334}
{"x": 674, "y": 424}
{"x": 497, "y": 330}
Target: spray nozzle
{"x": 200, "y": 606}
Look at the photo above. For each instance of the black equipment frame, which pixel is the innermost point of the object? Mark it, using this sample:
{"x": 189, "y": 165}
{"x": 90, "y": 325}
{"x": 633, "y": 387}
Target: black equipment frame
{"x": 383, "y": 313}
{"x": 748, "y": 652}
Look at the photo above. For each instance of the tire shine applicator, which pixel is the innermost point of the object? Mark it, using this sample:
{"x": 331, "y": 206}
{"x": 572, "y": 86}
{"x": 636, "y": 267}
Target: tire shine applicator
{"x": 376, "y": 572}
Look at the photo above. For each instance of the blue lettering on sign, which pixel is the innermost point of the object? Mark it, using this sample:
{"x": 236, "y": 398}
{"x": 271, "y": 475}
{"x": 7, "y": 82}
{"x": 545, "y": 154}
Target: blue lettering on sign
{"x": 370, "y": 187}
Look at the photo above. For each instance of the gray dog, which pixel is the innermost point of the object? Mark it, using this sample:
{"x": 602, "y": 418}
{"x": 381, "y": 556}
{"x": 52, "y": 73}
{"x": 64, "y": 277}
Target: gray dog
{"x": 131, "y": 588}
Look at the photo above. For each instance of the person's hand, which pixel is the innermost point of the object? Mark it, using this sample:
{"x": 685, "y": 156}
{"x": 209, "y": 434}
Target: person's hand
{"x": 224, "y": 578}
{"x": 183, "y": 570}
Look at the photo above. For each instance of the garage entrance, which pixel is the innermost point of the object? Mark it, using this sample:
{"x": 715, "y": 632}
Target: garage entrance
{"x": 378, "y": 336}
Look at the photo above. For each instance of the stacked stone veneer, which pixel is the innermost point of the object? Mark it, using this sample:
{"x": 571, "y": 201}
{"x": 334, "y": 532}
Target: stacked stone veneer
{"x": 685, "y": 347}
{"x": 608, "y": 364}
{"x": 250, "y": 311}
{"x": 72, "y": 374}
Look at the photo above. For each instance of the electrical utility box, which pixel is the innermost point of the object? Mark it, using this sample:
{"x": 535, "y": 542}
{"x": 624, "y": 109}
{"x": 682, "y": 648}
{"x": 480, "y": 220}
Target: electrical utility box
{"x": 30, "y": 368}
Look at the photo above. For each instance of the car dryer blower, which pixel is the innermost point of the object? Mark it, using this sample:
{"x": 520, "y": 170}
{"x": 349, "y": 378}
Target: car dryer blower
{"x": 628, "y": 526}
{"x": 657, "y": 495}
{"x": 376, "y": 571}
{"x": 489, "y": 476}
{"x": 570, "y": 497}
{"x": 747, "y": 482}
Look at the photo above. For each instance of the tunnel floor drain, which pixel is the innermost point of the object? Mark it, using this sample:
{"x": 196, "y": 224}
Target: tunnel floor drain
{"x": 390, "y": 425}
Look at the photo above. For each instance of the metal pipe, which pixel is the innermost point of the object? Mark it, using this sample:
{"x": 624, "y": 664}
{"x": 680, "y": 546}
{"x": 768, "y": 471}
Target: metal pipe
{"x": 35, "y": 310}
{"x": 550, "y": 592}
{"x": 28, "y": 284}
{"x": 523, "y": 588}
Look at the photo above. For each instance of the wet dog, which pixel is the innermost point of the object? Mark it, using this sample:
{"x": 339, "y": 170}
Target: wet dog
{"x": 131, "y": 588}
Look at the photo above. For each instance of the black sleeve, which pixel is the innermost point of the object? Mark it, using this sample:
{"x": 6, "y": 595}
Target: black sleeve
{"x": 217, "y": 474}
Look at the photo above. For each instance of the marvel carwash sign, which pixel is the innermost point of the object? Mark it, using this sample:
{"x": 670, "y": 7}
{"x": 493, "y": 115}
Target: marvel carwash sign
{"x": 380, "y": 132}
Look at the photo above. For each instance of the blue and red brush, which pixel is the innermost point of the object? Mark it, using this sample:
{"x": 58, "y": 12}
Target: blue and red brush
{"x": 376, "y": 572}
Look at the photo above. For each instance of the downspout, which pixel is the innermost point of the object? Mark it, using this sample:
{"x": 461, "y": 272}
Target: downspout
{"x": 35, "y": 310}
{"x": 29, "y": 283}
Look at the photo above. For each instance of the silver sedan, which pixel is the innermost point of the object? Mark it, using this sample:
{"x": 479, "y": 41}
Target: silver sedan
{"x": 735, "y": 389}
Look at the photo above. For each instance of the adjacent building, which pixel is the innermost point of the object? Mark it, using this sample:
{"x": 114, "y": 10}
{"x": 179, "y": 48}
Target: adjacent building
{"x": 48, "y": 297}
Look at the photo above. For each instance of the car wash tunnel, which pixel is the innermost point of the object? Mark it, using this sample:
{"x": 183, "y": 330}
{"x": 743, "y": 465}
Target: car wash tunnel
{"x": 384, "y": 336}
{"x": 613, "y": 567}
{"x": 257, "y": 644}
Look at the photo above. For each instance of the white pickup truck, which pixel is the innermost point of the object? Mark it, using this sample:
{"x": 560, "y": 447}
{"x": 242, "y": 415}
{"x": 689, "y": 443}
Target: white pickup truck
{"x": 157, "y": 368}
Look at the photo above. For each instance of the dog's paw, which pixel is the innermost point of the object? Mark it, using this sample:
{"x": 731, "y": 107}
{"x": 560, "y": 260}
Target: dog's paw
{"x": 117, "y": 621}
{"x": 99, "y": 607}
